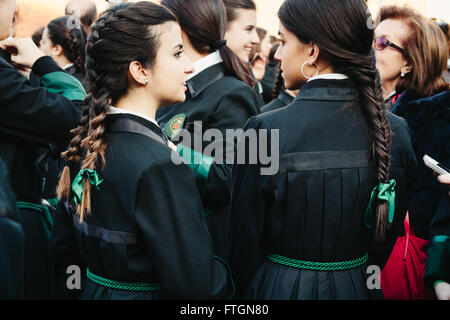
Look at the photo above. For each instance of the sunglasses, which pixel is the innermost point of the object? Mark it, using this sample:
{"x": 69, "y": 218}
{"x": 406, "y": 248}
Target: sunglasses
{"x": 380, "y": 43}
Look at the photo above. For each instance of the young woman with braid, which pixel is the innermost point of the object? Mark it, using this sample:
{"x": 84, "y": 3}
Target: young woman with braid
{"x": 219, "y": 97}
{"x": 344, "y": 166}
{"x": 130, "y": 213}
{"x": 66, "y": 44}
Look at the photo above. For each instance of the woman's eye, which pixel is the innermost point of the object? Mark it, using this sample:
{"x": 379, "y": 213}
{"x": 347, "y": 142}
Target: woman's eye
{"x": 178, "y": 54}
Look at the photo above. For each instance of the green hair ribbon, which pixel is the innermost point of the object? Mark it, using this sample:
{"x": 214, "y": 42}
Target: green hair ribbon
{"x": 384, "y": 191}
{"x": 77, "y": 184}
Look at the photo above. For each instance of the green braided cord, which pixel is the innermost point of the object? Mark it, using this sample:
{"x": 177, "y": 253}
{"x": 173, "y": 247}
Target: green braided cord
{"x": 46, "y": 217}
{"x": 317, "y": 266}
{"x": 28, "y": 205}
{"x": 129, "y": 286}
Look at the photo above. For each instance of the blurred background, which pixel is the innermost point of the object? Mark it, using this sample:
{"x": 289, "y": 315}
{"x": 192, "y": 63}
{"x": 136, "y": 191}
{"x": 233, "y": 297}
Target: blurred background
{"x": 34, "y": 14}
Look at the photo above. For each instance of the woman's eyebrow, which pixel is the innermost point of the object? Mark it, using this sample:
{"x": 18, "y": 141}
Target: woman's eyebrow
{"x": 178, "y": 47}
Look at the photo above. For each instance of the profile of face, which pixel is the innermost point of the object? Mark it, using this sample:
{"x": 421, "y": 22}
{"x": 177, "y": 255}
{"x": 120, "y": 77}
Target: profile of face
{"x": 241, "y": 34}
{"x": 292, "y": 53}
{"x": 7, "y": 10}
{"x": 390, "y": 61}
{"x": 46, "y": 44}
{"x": 169, "y": 73}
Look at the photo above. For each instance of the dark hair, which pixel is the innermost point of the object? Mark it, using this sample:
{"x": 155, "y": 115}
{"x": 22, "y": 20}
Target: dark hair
{"x": 72, "y": 40}
{"x": 204, "y": 22}
{"x": 118, "y": 38}
{"x": 425, "y": 49}
{"x": 347, "y": 43}
{"x": 37, "y": 36}
{"x": 233, "y": 5}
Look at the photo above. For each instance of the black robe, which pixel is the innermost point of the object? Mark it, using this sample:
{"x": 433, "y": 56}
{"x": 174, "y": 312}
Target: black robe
{"x": 281, "y": 101}
{"x": 313, "y": 208}
{"x": 31, "y": 118}
{"x": 220, "y": 102}
{"x": 429, "y": 123}
{"x": 11, "y": 240}
{"x": 146, "y": 225}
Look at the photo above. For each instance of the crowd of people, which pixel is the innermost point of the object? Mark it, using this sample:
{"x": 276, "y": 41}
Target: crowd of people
{"x": 117, "y": 158}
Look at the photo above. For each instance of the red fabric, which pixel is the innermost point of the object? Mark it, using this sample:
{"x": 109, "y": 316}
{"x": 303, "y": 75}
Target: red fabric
{"x": 394, "y": 99}
{"x": 402, "y": 276}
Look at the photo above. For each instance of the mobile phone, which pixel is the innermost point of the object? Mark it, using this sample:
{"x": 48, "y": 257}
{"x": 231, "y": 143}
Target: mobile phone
{"x": 434, "y": 165}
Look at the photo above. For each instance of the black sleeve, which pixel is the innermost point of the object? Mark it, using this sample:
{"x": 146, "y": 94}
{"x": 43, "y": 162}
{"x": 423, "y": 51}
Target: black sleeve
{"x": 169, "y": 216}
{"x": 247, "y": 217}
{"x": 235, "y": 108}
{"x": 40, "y": 115}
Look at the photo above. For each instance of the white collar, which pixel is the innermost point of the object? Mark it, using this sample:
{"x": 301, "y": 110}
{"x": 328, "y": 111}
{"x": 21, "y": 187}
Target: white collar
{"x": 391, "y": 95}
{"x": 335, "y": 76}
{"x": 114, "y": 110}
{"x": 205, "y": 63}
{"x": 67, "y": 66}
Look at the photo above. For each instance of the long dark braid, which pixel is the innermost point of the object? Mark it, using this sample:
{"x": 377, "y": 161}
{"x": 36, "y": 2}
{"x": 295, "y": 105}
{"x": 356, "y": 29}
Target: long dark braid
{"x": 347, "y": 43}
{"x": 279, "y": 83}
{"x": 120, "y": 36}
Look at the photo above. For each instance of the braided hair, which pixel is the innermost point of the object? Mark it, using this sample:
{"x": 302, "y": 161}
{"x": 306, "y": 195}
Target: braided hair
{"x": 72, "y": 39}
{"x": 347, "y": 43}
{"x": 119, "y": 36}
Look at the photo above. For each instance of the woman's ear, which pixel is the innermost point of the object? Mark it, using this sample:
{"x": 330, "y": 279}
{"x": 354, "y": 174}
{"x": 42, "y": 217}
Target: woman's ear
{"x": 57, "y": 50}
{"x": 139, "y": 73}
{"x": 407, "y": 69}
{"x": 314, "y": 54}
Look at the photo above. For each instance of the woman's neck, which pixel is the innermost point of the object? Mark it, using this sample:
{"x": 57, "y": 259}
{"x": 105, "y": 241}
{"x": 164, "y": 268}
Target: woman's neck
{"x": 388, "y": 87}
{"x": 138, "y": 102}
{"x": 61, "y": 61}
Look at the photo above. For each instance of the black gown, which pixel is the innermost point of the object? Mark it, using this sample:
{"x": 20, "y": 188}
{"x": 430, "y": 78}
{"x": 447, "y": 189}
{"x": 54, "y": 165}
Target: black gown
{"x": 220, "y": 102}
{"x": 313, "y": 208}
{"x": 11, "y": 242}
{"x": 146, "y": 226}
{"x": 32, "y": 118}
{"x": 281, "y": 101}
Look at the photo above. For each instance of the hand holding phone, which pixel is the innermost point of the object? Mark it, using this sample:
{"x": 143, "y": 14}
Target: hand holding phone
{"x": 434, "y": 165}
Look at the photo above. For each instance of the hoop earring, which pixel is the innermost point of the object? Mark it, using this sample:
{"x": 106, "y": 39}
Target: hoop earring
{"x": 317, "y": 71}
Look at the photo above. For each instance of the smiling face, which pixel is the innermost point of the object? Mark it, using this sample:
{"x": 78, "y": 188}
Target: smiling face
{"x": 241, "y": 33}
{"x": 390, "y": 61}
{"x": 292, "y": 54}
{"x": 169, "y": 72}
{"x": 7, "y": 10}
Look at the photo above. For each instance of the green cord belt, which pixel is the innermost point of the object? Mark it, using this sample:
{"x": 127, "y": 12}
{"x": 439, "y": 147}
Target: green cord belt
{"x": 46, "y": 216}
{"x": 130, "y": 286}
{"x": 317, "y": 266}
{"x": 28, "y": 205}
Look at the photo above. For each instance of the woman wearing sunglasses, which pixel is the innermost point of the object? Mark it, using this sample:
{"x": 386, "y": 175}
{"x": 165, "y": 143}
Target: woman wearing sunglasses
{"x": 411, "y": 55}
